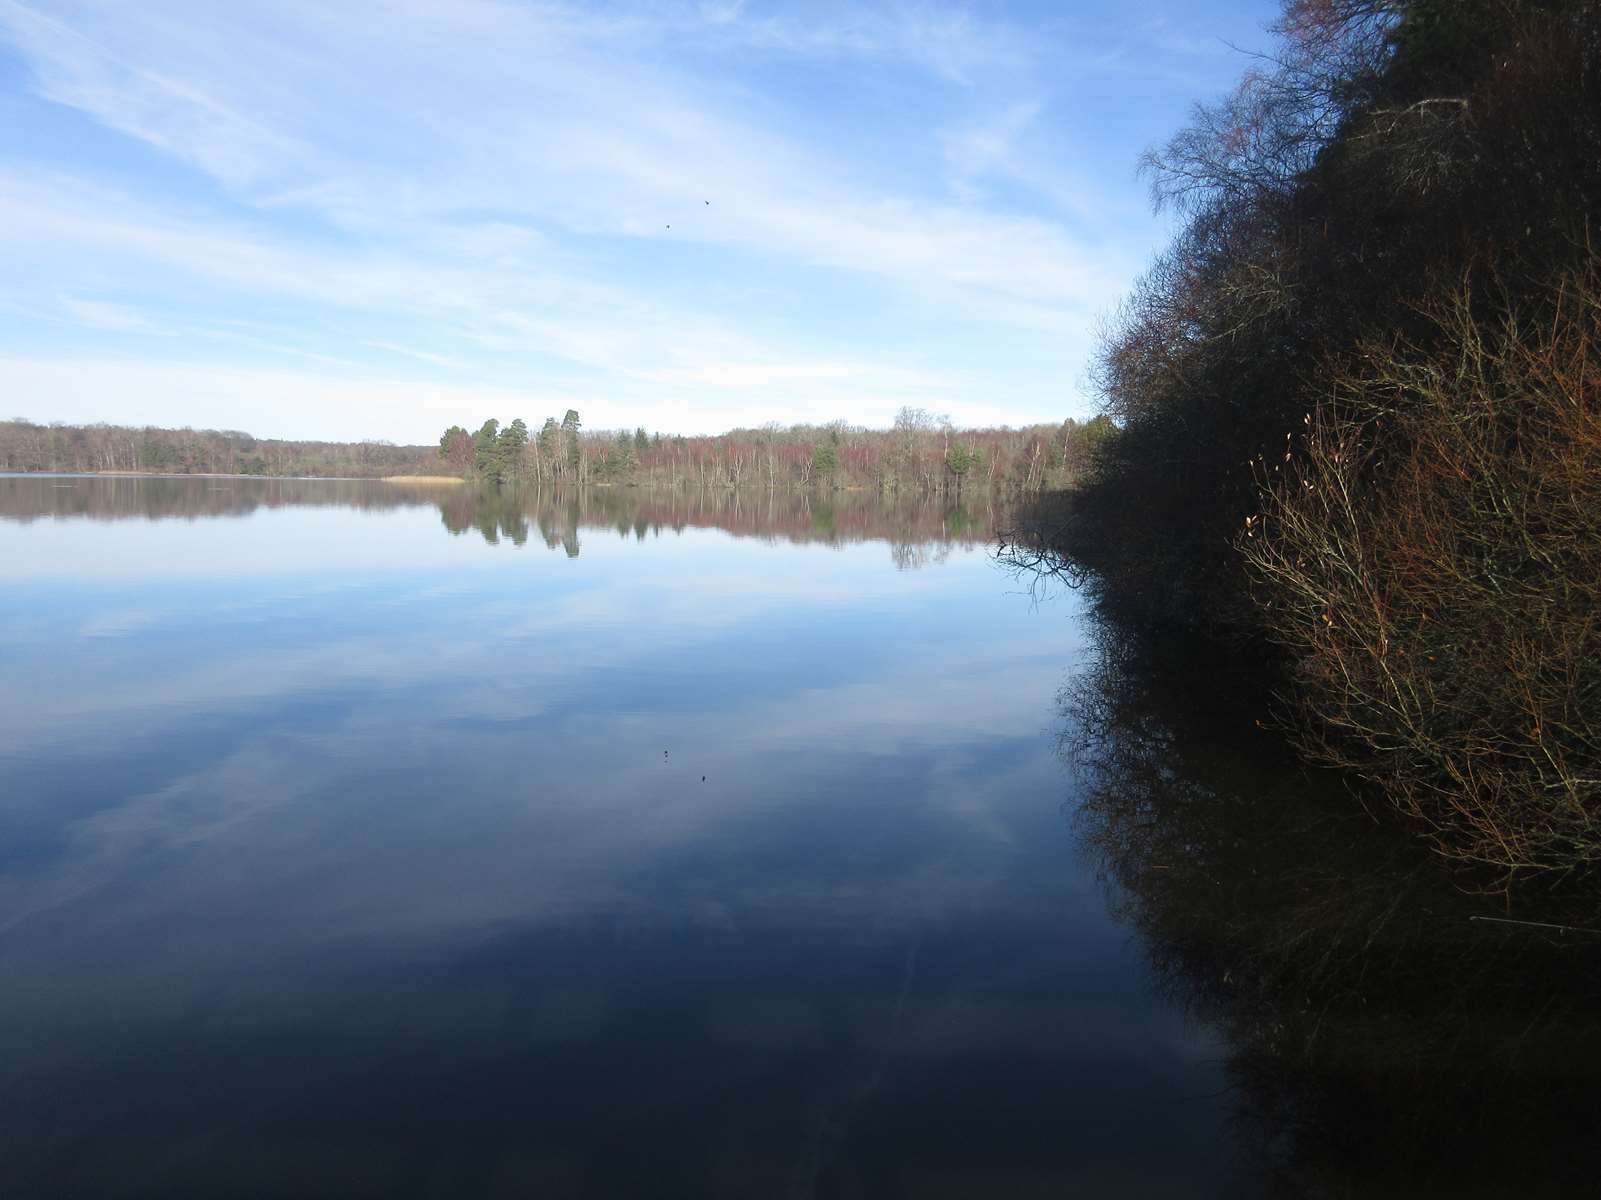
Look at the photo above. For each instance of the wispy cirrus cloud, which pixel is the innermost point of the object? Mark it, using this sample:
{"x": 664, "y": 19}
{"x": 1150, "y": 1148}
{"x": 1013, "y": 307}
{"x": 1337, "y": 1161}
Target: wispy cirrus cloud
{"x": 98, "y": 314}
{"x": 609, "y": 193}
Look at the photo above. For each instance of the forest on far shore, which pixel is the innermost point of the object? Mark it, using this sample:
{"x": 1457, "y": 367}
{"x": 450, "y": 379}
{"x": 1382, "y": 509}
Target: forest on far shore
{"x": 921, "y": 452}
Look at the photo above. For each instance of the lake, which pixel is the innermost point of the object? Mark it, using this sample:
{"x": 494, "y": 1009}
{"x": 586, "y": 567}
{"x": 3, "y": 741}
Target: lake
{"x": 359, "y": 839}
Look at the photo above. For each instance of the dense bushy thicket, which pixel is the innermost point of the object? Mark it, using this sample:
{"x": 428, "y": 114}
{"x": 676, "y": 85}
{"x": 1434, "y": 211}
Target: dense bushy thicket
{"x": 1359, "y": 409}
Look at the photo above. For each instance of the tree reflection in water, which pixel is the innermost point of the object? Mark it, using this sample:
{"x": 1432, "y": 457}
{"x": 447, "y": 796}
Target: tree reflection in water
{"x": 921, "y": 530}
{"x": 1381, "y": 1040}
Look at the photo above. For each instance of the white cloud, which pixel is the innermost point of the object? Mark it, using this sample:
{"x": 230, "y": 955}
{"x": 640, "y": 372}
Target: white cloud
{"x": 100, "y": 314}
{"x": 520, "y": 192}
{"x": 172, "y": 112}
{"x": 438, "y": 360}
{"x": 629, "y": 150}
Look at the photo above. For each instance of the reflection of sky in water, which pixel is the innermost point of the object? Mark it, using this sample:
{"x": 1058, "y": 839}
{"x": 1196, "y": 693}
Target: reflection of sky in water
{"x": 337, "y": 843}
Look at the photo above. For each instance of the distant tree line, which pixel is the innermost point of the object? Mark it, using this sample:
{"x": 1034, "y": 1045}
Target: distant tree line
{"x": 28, "y": 446}
{"x": 921, "y": 452}
{"x": 1358, "y": 403}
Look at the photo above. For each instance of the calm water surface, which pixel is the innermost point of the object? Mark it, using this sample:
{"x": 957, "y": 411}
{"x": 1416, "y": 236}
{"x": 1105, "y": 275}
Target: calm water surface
{"x": 358, "y": 841}
{"x": 365, "y": 841}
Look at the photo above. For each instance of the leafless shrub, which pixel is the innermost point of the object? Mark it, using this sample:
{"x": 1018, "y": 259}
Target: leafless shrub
{"x": 1429, "y": 551}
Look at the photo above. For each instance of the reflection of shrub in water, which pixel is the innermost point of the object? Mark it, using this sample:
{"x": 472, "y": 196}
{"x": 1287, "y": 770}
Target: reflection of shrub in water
{"x": 1380, "y": 1041}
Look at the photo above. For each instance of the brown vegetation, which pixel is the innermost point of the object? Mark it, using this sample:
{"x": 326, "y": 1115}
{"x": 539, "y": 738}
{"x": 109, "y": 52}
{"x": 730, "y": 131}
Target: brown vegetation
{"x": 1430, "y": 555}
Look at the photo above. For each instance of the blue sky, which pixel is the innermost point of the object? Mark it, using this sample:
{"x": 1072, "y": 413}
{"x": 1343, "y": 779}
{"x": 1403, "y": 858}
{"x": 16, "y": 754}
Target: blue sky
{"x": 374, "y": 218}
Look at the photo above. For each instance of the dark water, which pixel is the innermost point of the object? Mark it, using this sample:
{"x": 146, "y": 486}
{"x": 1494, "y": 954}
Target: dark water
{"x": 358, "y": 840}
